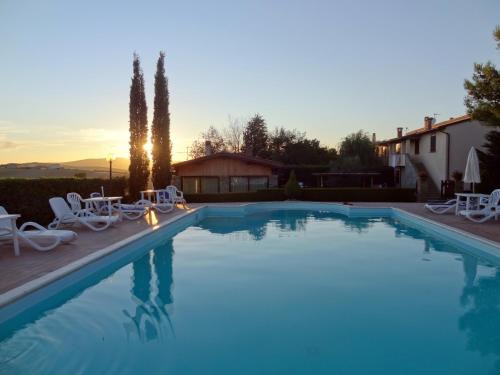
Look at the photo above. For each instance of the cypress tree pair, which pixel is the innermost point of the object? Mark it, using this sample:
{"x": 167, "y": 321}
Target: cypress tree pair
{"x": 160, "y": 137}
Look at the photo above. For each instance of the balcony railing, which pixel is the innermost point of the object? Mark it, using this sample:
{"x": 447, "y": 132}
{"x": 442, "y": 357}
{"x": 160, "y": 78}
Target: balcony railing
{"x": 396, "y": 160}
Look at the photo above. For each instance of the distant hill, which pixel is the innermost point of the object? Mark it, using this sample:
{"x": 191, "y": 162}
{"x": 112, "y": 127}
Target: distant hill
{"x": 119, "y": 163}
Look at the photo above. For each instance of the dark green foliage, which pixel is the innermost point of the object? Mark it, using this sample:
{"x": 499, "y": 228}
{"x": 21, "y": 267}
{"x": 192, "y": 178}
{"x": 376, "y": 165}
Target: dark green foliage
{"x": 292, "y": 147}
{"x": 359, "y": 195}
{"x": 490, "y": 163}
{"x": 30, "y": 197}
{"x": 483, "y": 91}
{"x": 357, "y": 151}
{"x": 160, "y": 129}
{"x": 292, "y": 187}
{"x": 139, "y": 162}
{"x": 255, "y": 137}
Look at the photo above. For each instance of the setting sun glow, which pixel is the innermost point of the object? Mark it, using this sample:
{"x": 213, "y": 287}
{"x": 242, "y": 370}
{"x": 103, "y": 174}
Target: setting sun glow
{"x": 148, "y": 147}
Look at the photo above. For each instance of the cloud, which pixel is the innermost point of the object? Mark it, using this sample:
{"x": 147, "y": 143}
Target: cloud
{"x": 8, "y": 145}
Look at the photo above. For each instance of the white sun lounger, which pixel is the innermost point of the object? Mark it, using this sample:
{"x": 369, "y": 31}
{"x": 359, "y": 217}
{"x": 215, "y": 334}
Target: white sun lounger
{"x": 441, "y": 208}
{"x": 129, "y": 211}
{"x": 486, "y": 211}
{"x": 37, "y": 237}
{"x": 64, "y": 216}
{"x": 164, "y": 202}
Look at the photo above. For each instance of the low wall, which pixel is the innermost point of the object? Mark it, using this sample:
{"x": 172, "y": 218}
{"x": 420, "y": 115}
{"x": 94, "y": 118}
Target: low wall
{"x": 312, "y": 194}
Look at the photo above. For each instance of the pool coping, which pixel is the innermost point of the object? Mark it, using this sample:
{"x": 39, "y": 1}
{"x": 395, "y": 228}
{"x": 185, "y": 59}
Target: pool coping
{"x": 17, "y": 293}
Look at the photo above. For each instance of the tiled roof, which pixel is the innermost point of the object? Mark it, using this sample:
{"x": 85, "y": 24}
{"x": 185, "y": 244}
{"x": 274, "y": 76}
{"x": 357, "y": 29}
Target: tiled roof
{"x": 435, "y": 127}
{"x": 230, "y": 155}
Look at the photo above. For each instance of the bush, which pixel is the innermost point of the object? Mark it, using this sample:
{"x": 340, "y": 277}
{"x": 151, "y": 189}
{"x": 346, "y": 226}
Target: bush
{"x": 292, "y": 187}
{"x": 30, "y": 197}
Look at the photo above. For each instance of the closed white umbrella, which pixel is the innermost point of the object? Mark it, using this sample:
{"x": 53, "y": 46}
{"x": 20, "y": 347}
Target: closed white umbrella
{"x": 472, "y": 174}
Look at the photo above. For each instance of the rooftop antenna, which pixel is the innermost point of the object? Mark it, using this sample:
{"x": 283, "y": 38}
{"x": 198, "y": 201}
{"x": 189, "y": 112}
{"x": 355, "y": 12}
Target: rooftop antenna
{"x": 435, "y": 115}
{"x": 185, "y": 152}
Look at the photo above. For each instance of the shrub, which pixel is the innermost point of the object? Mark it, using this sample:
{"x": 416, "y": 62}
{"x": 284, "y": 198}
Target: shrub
{"x": 457, "y": 175}
{"x": 292, "y": 187}
{"x": 30, "y": 197}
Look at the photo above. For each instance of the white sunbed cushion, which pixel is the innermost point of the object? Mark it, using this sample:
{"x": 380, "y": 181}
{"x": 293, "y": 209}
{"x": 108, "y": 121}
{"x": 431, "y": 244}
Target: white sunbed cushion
{"x": 48, "y": 235}
{"x": 132, "y": 207}
{"x": 100, "y": 219}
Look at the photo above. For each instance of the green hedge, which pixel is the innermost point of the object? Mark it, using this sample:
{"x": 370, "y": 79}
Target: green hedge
{"x": 30, "y": 197}
{"x": 312, "y": 194}
{"x": 359, "y": 195}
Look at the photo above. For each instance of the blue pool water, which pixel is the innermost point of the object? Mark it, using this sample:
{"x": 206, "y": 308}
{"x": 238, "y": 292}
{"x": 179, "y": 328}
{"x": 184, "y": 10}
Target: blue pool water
{"x": 286, "y": 292}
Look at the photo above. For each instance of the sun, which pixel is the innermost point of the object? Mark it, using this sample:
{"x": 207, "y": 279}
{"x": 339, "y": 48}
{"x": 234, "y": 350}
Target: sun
{"x": 148, "y": 147}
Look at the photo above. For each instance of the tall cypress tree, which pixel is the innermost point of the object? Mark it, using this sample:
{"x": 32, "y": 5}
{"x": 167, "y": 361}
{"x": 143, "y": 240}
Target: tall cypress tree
{"x": 160, "y": 130}
{"x": 138, "y": 127}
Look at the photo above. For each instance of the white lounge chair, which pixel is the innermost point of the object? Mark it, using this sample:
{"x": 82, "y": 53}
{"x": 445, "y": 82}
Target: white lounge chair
{"x": 39, "y": 238}
{"x": 441, "y": 208}
{"x": 163, "y": 202}
{"x": 129, "y": 211}
{"x": 64, "y": 216}
{"x": 486, "y": 211}
{"x": 176, "y": 196}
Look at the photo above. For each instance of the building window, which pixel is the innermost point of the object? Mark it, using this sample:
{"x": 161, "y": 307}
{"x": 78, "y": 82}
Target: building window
{"x": 433, "y": 143}
{"x": 190, "y": 185}
{"x": 209, "y": 185}
{"x": 258, "y": 183}
{"x": 242, "y": 184}
{"x": 417, "y": 146}
{"x": 238, "y": 184}
{"x": 398, "y": 148}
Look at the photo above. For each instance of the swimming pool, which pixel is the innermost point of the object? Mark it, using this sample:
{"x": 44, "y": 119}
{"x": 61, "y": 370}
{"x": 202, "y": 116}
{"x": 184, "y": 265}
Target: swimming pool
{"x": 264, "y": 290}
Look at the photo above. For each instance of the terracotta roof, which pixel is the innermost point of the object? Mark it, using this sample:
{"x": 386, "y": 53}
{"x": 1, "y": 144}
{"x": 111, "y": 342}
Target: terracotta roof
{"x": 229, "y": 155}
{"x": 435, "y": 127}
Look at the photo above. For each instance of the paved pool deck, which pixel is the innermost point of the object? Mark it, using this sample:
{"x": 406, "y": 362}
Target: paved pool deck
{"x": 32, "y": 264}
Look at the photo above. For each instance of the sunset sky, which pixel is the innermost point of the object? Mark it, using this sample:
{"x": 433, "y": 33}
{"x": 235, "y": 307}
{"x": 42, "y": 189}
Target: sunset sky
{"x": 325, "y": 67}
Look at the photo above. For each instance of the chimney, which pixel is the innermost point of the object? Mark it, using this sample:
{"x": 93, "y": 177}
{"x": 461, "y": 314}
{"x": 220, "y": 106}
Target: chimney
{"x": 428, "y": 122}
{"x": 400, "y": 132}
{"x": 374, "y": 138}
{"x": 208, "y": 148}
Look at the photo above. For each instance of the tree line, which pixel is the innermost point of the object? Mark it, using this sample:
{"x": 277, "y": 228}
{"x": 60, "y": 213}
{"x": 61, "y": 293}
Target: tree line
{"x": 253, "y": 138}
{"x": 292, "y": 147}
{"x": 160, "y": 130}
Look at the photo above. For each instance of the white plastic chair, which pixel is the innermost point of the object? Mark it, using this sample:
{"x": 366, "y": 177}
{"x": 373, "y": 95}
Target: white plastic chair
{"x": 176, "y": 196}
{"x": 75, "y": 201}
{"x": 38, "y": 237}
{"x": 487, "y": 210}
{"x": 64, "y": 216}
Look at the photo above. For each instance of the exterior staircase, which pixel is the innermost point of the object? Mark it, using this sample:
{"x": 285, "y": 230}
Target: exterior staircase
{"x": 426, "y": 189}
